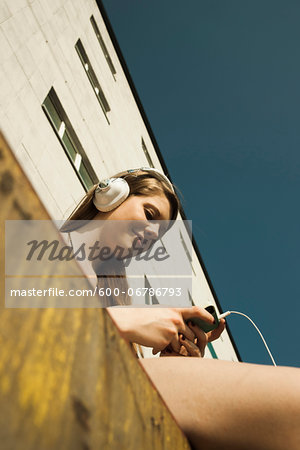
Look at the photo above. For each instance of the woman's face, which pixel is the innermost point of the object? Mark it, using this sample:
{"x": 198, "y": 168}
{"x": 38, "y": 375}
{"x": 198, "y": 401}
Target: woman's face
{"x": 136, "y": 223}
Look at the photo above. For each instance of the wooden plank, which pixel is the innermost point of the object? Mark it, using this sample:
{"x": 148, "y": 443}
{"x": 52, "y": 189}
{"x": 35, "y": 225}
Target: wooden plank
{"x": 67, "y": 379}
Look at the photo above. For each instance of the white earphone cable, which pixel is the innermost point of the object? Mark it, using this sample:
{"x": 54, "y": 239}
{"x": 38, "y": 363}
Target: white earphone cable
{"x": 257, "y": 329}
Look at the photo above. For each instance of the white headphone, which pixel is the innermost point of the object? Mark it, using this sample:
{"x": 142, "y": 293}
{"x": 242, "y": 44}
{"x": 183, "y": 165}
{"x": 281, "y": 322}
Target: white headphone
{"x": 111, "y": 192}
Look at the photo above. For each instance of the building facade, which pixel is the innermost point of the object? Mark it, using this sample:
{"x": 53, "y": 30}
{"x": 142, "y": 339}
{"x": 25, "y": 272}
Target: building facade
{"x": 71, "y": 115}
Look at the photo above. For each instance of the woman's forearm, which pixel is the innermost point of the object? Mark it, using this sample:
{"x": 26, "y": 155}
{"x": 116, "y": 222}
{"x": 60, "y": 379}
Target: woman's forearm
{"x": 158, "y": 327}
{"x": 124, "y": 321}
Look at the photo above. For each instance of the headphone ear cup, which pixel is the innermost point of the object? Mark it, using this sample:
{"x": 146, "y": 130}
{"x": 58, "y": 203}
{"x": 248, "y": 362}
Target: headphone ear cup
{"x": 110, "y": 194}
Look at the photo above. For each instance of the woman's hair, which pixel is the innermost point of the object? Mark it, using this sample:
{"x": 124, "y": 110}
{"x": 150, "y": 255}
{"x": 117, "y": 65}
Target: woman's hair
{"x": 141, "y": 182}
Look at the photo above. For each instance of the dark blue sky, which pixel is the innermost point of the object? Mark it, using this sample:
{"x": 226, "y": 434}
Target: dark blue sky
{"x": 219, "y": 82}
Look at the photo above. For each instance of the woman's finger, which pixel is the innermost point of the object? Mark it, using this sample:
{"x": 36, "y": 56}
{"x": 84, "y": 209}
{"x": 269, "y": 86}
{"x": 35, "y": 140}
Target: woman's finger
{"x": 192, "y": 349}
{"x": 197, "y": 311}
{"x": 168, "y": 351}
{"x": 175, "y": 344}
{"x": 215, "y": 334}
{"x": 183, "y": 351}
{"x": 202, "y": 337}
{"x": 186, "y": 331}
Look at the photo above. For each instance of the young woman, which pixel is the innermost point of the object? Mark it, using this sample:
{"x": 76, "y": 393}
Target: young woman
{"x": 218, "y": 404}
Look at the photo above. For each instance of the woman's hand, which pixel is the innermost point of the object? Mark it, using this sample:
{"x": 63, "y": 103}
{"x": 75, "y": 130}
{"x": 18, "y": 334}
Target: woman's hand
{"x": 197, "y": 346}
{"x": 187, "y": 348}
{"x": 160, "y": 327}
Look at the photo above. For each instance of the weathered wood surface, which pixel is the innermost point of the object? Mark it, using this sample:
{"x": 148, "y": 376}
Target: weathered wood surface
{"x": 67, "y": 379}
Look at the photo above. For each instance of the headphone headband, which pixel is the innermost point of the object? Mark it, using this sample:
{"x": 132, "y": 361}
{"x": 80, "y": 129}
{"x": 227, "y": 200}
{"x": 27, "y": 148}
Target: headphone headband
{"x": 149, "y": 169}
{"x": 111, "y": 192}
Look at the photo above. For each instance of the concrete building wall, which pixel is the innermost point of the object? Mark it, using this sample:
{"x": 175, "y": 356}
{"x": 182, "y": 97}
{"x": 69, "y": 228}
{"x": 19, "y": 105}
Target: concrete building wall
{"x": 37, "y": 40}
{"x": 38, "y": 51}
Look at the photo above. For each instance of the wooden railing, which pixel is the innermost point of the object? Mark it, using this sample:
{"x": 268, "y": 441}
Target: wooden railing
{"x": 67, "y": 378}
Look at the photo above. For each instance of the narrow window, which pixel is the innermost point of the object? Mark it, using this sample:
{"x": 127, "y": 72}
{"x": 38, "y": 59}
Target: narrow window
{"x": 103, "y": 46}
{"x": 164, "y": 247}
{"x": 145, "y": 150}
{"x": 186, "y": 251}
{"x": 69, "y": 140}
{"x": 212, "y": 350}
{"x": 191, "y": 299}
{"x": 92, "y": 77}
{"x": 149, "y": 299}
